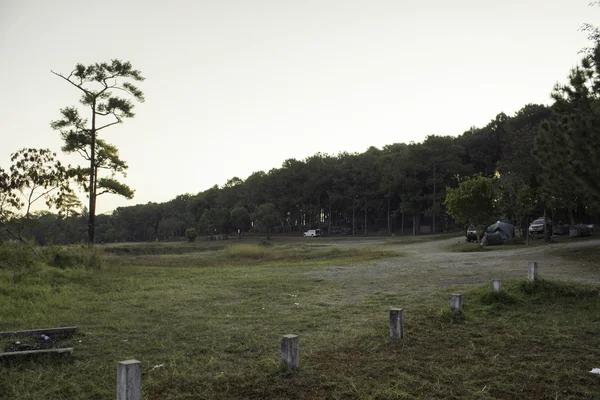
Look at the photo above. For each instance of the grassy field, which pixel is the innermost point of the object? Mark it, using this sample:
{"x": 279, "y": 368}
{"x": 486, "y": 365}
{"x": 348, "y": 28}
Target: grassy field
{"x": 212, "y": 322}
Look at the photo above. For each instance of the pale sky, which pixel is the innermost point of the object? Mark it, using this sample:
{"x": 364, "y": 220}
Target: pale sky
{"x": 234, "y": 87}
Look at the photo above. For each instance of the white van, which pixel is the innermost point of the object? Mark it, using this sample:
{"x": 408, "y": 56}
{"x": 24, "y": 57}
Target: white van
{"x": 312, "y": 233}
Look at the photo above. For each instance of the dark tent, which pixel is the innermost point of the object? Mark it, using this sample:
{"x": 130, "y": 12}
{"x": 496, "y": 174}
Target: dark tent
{"x": 499, "y": 233}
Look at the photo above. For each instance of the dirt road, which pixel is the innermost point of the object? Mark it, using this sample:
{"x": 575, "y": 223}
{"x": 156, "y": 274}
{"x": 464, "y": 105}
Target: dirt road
{"x": 427, "y": 266}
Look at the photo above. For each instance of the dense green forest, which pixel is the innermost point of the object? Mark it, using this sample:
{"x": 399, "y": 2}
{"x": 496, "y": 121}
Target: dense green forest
{"x": 541, "y": 159}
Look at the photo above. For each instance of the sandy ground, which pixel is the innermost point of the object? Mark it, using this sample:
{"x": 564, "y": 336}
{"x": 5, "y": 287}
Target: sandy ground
{"x": 428, "y": 266}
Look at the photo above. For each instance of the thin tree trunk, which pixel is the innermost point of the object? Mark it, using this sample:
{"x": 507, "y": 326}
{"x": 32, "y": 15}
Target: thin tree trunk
{"x": 402, "y": 226}
{"x": 353, "y": 219}
{"x": 414, "y": 225}
{"x": 92, "y": 194}
{"x": 329, "y": 227}
{"x": 365, "y": 217}
{"x": 388, "y": 214}
{"x": 546, "y": 236}
{"x": 433, "y": 209}
{"x": 319, "y": 211}
{"x": 571, "y": 217}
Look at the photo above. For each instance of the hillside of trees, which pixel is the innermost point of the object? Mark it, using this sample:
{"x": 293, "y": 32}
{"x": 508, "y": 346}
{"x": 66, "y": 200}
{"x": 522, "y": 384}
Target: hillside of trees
{"x": 397, "y": 189}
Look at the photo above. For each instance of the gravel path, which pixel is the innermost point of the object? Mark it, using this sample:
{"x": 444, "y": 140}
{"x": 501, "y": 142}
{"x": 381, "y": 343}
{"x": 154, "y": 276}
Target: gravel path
{"x": 428, "y": 266}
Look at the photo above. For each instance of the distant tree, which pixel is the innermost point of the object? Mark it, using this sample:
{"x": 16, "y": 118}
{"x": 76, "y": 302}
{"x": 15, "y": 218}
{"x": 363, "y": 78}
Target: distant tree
{"x": 266, "y": 217}
{"x": 442, "y": 160}
{"x": 239, "y": 219}
{"x": 34, "y": 176}
{"x": 71, "y": 205}
{"x": 191, "y": 234}
{"x": 98, "y": 83}
{"x": 221, "y": 219}
{"x": 516, "y": 200}
{"x": 473, "y": 202}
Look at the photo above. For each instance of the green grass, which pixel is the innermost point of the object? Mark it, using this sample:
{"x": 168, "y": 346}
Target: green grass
{"x": 217, "y": 331}
{"x": 590, "y": 254}
{"x": 253, "y": 254}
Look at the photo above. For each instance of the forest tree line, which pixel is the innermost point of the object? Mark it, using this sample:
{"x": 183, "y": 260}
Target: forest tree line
{"x": 542, "y": 159}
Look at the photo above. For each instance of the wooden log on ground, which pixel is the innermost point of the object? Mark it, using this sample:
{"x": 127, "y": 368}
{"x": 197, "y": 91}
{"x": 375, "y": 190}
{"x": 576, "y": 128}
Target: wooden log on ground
{"x": 38, "y": 332}
{"x": 14, "y": 354}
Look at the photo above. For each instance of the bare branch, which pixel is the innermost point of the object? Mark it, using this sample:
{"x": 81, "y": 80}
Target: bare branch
{"x": 107, "y": 125}
{"x": 71, "y": 82}
{"x": 123, "y": 89}
{"x": 18, "y": 237}
{"x": 85, "y": 154}
{"x": 43, "y": 194}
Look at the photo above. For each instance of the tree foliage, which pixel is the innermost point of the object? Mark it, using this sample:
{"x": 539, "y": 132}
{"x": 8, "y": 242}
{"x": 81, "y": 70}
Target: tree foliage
{"x": 266, "y": 217}
{"x": 568, "y": 149}
{"x": 35, "y": 176}
{"x": 191, "y": 234}
{"x": 474, "y": 201}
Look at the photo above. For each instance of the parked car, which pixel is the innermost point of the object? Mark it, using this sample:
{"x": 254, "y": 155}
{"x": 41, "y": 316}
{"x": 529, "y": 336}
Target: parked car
{"x": 537, "y": 227}
{"x": 471, "y": 233}
{"x": 312, "y": 233}
{"x": 561, "y": 229}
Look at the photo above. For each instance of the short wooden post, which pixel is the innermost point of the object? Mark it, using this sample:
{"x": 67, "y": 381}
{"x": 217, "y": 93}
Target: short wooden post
{"x": 396, "y": 323}
{"x": 129, "y": 380}
{"x": 290, "y": 351}
{"x": 497, "y": 285}
{"x": 456, "y": 303}
{"x": 532, "y": 272}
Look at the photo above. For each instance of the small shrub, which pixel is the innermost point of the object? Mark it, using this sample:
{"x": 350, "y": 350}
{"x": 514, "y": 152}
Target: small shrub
{"x": 16, "y": 256}
{"x": 246, "y": 251}
{"x": 543, "y": 289}
{"x": 497, "y": 298}
{"x": 19, "y": 260}
{"x": 452, "y": 316}
{"x": 191, "y": 234}
{"x": 87, "y": 257}
{"x": 265, "y": 243}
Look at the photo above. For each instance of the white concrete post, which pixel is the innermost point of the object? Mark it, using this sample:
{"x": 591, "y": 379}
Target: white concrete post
{"x": 290, "y": 351}
{"x": 396, "y": 323}
{"x": 129, "y": 380}
{"x": 497, "y": 285}
{"x": 532, "y": 272}
{"x": 456, "y": 303}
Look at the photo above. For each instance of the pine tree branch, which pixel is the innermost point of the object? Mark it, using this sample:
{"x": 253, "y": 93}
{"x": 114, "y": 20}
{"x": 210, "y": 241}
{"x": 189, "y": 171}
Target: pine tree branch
{"x": 80, "y": 87}
{"x": 107, "y": 125}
